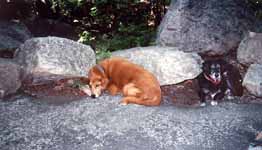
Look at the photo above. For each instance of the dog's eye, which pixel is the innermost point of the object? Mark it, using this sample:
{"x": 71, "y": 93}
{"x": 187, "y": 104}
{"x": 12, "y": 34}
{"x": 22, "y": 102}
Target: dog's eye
{"x": 97, "y": 85}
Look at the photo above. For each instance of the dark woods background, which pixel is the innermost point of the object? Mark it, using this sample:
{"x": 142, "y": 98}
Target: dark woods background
{"x": 107, "y": 14}
{"x": 94, "y": 19}
{"x": 106, "y": 25}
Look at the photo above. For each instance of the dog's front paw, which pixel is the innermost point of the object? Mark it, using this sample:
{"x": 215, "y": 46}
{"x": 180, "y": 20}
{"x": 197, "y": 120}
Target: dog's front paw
{"x": 214, "y": 103}
{"x": 203, "y": 104}
{"x": 112, "y": 89}
{"x": 229, "y": 97}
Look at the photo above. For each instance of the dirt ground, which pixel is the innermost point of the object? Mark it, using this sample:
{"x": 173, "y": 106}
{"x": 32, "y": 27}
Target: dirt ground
{"x": 70, "y": 89}
{"x": 6, "y": 53}
{"x": 62, "y": 89}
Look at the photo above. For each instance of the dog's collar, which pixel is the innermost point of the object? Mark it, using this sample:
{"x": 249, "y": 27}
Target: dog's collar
{"x": 211, "y": 80}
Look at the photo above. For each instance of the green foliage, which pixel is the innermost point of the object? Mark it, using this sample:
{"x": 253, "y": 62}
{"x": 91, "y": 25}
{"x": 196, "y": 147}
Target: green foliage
{"x": 167, "y": 2}
{"x": 100, "y": 55}
{"x": 99, "y": 2}
{"x": 257, "y": 6}
{"x": 85, "y": 38}
{"x": 93, "y": 12}
{"x": 102, "y": 46}
{"x": 66, "y": 7}
{"x": 125, "y": 37}
{"x": 131, "y": 36}
{"x": 255, "y": 1}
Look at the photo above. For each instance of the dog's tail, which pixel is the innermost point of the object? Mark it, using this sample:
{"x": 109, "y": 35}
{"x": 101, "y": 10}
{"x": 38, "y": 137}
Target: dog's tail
{"x": 142, "y": 101}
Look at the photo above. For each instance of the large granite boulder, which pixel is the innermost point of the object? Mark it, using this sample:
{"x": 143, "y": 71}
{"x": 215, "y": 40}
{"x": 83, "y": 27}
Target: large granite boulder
{"x": 253, "y": 79}
{"x": 206, "y": 26}
{"x": 250, "y": 49}
{"x": 168, "y": 64}
{"x": 10, "y": 80}
{"x": 12, "y": 35}
{"x": 104, "y": 124}
{"x": 53, "y": 55}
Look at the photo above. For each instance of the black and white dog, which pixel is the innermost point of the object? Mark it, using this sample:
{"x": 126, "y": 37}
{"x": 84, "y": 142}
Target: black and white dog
{"x": 217, "y": 80}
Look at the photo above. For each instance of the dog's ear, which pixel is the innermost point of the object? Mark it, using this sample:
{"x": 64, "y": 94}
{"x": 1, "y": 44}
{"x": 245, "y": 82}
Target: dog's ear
{"x": 100, "y": 68}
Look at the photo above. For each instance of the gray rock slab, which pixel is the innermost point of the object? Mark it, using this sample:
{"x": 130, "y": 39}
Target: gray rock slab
{"x": 55, "y": 56}
{"x": 168, "y": 64}
{"x": 104, "y": 124}
{"x": 12, "y": 35}
{"x": 253, "y": 80}
{"x": 250, "y": 49}
{"x": 206, "y": 26}
{"x": 255, "y": 148}
{"x": 10, "y": 74}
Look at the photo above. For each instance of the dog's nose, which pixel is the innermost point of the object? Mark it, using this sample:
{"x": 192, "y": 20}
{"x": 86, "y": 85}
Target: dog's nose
{"x": 93, "y": 96}
{"x": 216, "y": 75}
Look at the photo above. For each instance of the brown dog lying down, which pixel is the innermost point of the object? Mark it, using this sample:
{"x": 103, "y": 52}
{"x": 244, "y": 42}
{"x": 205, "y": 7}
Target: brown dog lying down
{"x": 137, "y": 85}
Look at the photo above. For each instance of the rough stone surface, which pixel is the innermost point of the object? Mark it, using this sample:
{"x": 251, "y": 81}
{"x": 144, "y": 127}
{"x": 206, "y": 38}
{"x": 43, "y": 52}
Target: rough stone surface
{"x": 55, "y": 56}
{"x": 214, "y": 26}
{"x": 12, "y": 35}
{"x": 253, "y": 79}
{"x": 250, "y": 49}
{"x": 168, "y": 64}
{"x": 255, "y": 148}
{"x": 104, "y": 124}
{"x": 9, "y": 77}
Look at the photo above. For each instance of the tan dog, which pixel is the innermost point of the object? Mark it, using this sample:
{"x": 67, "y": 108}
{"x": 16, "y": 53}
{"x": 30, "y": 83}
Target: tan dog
{"x": 116, "y": 74}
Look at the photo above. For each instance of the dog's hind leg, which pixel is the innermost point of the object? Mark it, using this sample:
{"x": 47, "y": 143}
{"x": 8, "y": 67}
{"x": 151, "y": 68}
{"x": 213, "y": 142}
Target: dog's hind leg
{"x": 219, "y": 96}
{"x": 137, "y": 100}
{"x": 131, "y": 90}
{"x": 203, "y": 95}
{"x": 135, "y": 95}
